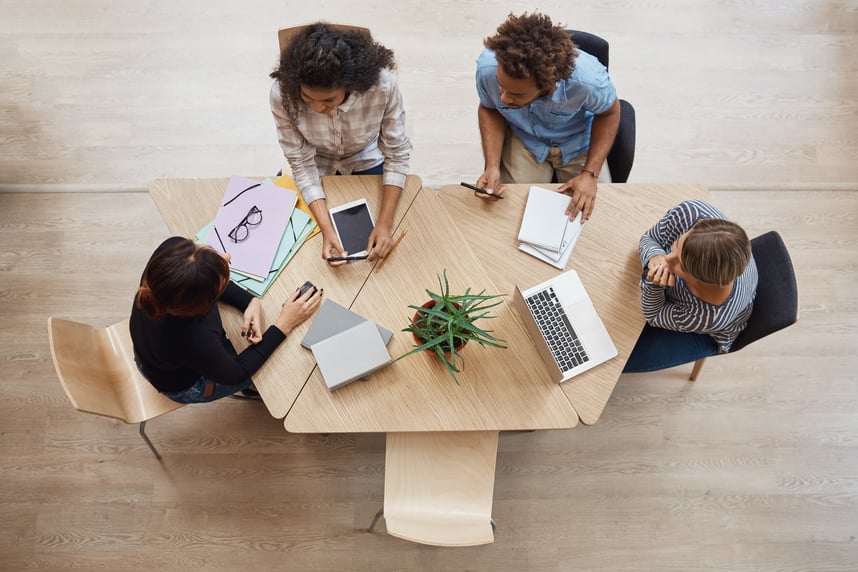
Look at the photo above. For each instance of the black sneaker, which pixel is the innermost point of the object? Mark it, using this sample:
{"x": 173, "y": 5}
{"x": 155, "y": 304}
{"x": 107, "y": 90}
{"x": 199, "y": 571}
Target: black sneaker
{"x": 247, "y": 393}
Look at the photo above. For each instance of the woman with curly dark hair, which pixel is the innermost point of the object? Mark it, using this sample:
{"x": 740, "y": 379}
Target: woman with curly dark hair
{"x": 338, "y": 110}
{"x": 547, "y": 110}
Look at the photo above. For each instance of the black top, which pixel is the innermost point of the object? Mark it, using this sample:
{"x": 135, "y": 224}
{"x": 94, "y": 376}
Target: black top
{"x": 175, "y": 352}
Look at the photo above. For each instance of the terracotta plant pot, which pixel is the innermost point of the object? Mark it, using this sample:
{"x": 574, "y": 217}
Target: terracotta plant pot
{"x": 420, "y": 341}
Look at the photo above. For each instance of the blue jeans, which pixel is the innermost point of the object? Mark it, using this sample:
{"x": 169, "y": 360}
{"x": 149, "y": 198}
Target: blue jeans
{"x": 658, "y": 348}
{"x": 197, "y": 392}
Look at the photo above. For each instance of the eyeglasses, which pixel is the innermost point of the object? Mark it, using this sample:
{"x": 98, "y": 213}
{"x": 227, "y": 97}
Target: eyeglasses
{"x": 242, "y": 230}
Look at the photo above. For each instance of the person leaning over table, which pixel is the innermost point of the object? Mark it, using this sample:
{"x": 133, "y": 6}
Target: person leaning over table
{"x": 338, "y": 110}
{"x": 546, "y": 110}
{"x": 179, "y": 342}
{"x": 697, "y": 287}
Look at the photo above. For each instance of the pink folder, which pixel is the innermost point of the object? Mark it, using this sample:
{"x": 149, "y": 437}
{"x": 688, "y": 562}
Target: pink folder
{"x": 250, "y": 223}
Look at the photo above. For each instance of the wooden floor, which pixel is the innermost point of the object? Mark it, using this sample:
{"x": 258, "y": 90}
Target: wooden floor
{"x": 750, "y": 468}
{"x": 753, "y": 467}
{"x": 101, "y": 94}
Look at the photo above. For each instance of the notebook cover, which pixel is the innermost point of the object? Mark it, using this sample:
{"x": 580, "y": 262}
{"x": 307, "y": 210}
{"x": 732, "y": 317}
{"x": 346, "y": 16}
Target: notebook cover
{"x": 544, "y": 222}
{"x": 351, "y": 354}
{"x": 332, "y": 319}
{"x": 255, "y": 255}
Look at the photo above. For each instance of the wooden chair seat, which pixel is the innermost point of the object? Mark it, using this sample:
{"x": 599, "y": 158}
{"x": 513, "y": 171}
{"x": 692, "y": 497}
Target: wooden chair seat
{"x": 97, "y": 371}
{"x": 438, "y": 487}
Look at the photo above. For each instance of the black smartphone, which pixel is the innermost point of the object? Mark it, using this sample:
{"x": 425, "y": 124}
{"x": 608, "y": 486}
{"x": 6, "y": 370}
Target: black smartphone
{"x": 306, "y": 286}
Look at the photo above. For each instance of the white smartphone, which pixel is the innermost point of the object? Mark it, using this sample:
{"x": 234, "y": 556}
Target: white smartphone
{"x": 353, "y": 223}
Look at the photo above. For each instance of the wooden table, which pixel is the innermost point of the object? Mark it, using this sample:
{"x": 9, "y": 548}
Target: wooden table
{"x": 189, "y": 204}
{"x": 475, "y": 241}
{"x": 605, "y": 257}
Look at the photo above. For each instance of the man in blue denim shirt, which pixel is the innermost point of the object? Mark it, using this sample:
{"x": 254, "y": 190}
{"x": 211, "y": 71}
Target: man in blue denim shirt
{"x": 546, "y": 110}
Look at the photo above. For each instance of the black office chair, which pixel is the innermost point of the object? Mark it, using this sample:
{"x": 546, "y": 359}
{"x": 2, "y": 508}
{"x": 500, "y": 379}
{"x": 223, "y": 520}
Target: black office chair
{"x": 776, "y": 302}
{"x": 622, "y": 154}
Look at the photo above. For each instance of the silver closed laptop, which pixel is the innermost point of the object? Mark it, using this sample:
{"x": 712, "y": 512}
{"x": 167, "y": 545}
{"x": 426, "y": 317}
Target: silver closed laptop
{"x": 561, "y": 319}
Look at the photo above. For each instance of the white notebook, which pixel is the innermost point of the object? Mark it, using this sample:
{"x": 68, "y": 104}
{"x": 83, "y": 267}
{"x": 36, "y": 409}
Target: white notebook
{"x": 558, "y": 259}
{"x": 351, "y": 354}
{"x": 544, "y": 222}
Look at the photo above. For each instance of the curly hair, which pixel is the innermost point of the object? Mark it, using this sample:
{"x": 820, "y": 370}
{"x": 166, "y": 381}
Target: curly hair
{"x": 716, "y": 251}
{"x": 184, "y": 279}
{"x": 531, "y": 46}
{"x": 323, "y": 56}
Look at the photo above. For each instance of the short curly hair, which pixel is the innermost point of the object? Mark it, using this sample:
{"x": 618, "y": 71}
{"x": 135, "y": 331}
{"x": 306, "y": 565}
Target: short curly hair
{"x": 531, "y": 46}
{"x": 323, "y": 56}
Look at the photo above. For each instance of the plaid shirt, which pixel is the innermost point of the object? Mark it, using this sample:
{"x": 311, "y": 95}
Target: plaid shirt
{"x": 366, "y": 129}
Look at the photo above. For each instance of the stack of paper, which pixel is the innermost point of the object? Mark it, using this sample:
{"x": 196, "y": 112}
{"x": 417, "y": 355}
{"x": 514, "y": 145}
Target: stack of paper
{"x": 546, "y": 232}
{"x": 281, "y": 200}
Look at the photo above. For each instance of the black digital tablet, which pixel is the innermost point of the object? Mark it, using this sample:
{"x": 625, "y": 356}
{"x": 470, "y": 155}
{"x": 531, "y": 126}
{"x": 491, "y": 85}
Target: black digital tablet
{"x": 353, "y": 222}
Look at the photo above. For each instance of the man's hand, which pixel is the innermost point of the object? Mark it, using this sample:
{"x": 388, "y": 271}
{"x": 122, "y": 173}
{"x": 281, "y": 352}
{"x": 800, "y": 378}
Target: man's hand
{"x": 582, "y": 189}
{"x": 490, "y": 181}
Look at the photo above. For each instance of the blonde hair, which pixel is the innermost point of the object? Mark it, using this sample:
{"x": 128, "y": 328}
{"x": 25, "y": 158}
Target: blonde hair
{"x": 716, "y": 251}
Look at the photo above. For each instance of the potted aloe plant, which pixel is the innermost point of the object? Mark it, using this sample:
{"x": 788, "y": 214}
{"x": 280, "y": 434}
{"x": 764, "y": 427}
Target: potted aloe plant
{"x": 445, "y": 323}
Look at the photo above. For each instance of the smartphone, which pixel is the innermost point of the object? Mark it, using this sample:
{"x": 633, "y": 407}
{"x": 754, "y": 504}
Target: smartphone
{"x": 306, "y": 286}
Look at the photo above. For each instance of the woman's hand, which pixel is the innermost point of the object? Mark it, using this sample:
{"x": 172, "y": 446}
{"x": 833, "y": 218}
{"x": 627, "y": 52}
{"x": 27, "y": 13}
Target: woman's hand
{"x": 253, "y": 325}
{"x": 331, "y": 248}
{"x": 658, "y": 272}
{"x": 379, "y": 242}
{"x": 297, "y": 309}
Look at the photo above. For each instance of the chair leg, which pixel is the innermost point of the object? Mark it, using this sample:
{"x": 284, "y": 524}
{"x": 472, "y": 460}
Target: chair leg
{"x": 698, "y": 365}
{"x": 377, "y": 516}
{"x": 148, "y": 442}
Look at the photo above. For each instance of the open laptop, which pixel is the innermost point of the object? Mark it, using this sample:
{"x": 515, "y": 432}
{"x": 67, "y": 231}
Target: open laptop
{"x": 563, "y": 322}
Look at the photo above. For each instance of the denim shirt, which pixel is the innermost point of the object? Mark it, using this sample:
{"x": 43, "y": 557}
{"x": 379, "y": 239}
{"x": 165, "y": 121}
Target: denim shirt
{"x": 560, "y": 119}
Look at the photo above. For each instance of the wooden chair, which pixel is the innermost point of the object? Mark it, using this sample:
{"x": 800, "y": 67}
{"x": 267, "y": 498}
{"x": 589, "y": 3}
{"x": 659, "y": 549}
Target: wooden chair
{"x": 438, "y": 487}
{"x": 97, "y": 371}
{"x": 776, "y": 302}
{"x": 621, "y": 157}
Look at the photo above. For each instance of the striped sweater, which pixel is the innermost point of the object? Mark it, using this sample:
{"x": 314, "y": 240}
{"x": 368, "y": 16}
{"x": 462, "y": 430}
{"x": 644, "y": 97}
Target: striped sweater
{"x": 675, "y": 307}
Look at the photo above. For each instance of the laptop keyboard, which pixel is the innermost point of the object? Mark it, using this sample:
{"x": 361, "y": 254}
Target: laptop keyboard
{"x": 552, "y": 321}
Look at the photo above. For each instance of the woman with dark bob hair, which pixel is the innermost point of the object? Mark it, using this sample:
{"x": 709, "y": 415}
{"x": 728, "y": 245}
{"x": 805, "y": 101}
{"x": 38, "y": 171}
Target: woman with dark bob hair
{"x": 697, "y": 287}
{"x": 179, "y": 342}
{"x": 338, "y": 110}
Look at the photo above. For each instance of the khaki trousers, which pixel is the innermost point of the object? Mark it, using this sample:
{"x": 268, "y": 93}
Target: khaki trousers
{"x": 518, "y": 164}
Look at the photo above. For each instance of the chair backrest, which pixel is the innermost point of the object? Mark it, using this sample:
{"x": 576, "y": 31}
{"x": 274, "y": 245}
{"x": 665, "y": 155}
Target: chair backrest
{"x": 622, "y": 154}
{"x": 438, "y": 487}
{"x": 776, "y": 302}
{"x": 592, "y": 44}
{"x": 97, "y": 371}
{"x": 285, "y": 35}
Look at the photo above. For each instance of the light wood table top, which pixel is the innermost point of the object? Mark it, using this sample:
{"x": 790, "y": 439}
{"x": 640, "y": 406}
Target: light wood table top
{"x": 605, "y": 257}
{"x": 500, "y": 388}
{"x": 475, "y": 241}
{"x": 189, "y": 204}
